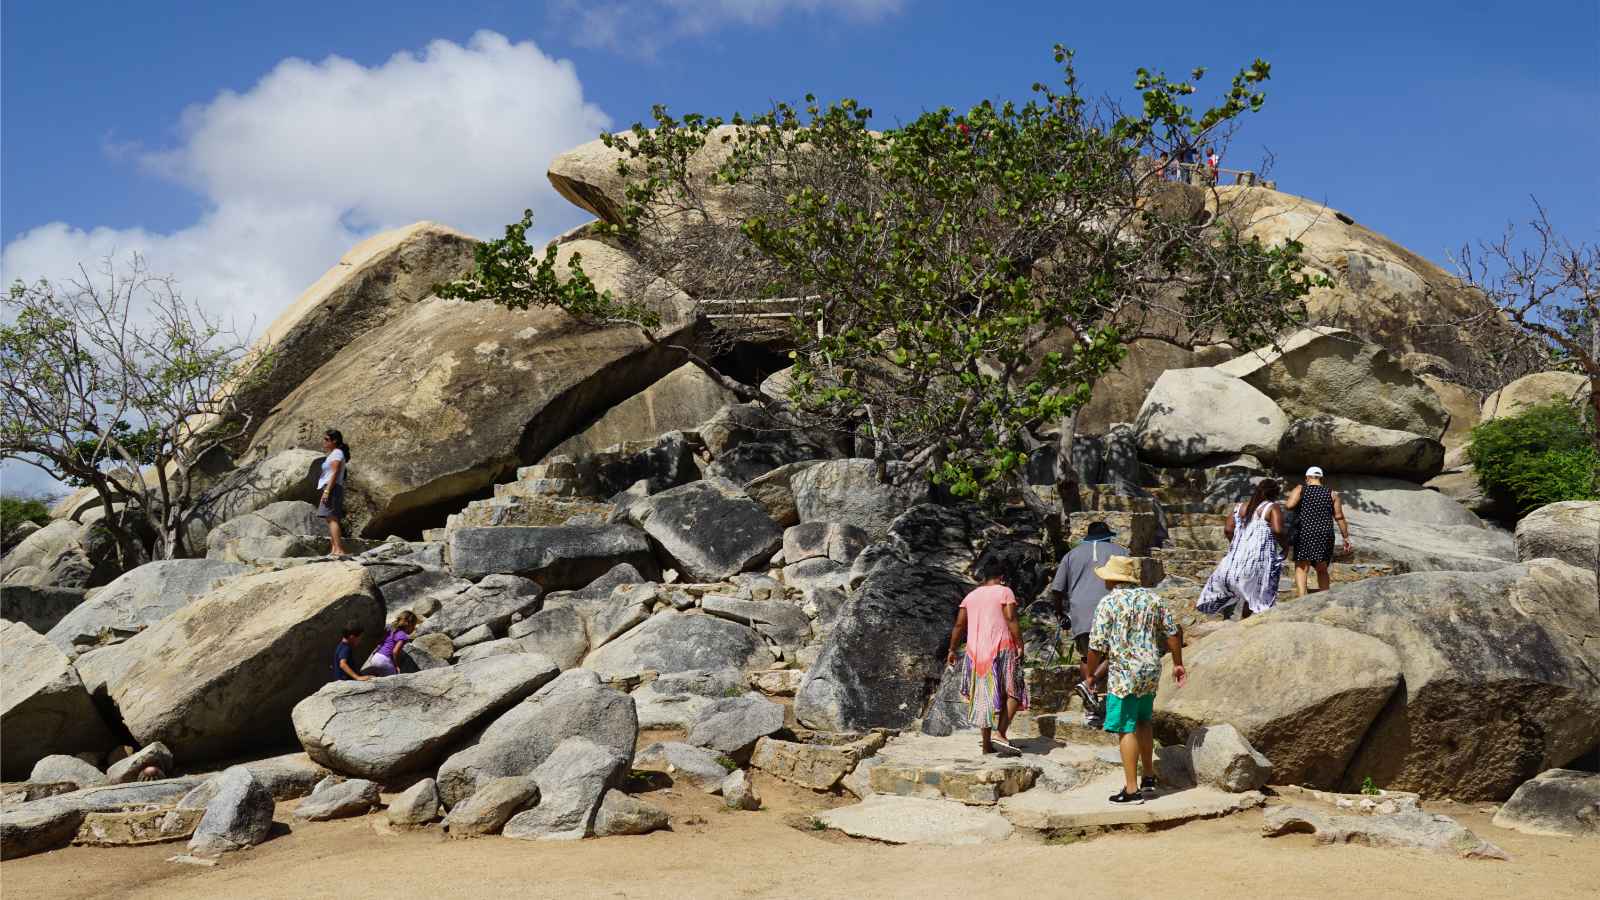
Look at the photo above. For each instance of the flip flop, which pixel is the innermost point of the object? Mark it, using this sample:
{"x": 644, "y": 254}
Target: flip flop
{"x": 1007, "y": 745}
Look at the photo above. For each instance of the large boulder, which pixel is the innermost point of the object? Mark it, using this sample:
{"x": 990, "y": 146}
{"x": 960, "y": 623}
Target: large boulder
{"x": 558, "y": 557}
{"x": 732, "y": 725}
{"x": 1501, "y": 674}
{"x": 679, "y": 642}
{"x": 267, "y": 532}
{"x": 774, "y": 490}
{"x": 1119, "y": 393}
{"x": 492, "y": 602}
{"x": 849, "y": 491}
{"x": 1329, "y": 371}
{"x": 1462, "y": 404}
{"x": 682, "y": 399}
{"x": 44, "y": 708}
{"x": 1561, "y": 802}
{"x": 621, "y": 814}
{"x": 587, "y": 176}
{"x": 41, "y": 825}
{"x": 1194, "y": 415}
{"x": 524, "y": 736}
{"x": 37, "y": 606}
{"x": 572, "y": 782}
{"x": 1303, "y": 694}
{"x": 238, "y": 816}
{"x": 65, "y": 554}
{"x": 557, "y": 633}
{"x": 885, "y": 653}
{"x": 1568, "y": 531}
{"x": 677, "y": 699}
{"x": 58, "y": 768}
{"x": 1342, "y": 445}
{"x": 286, "y": 476}
{"x": 1531, "y": 390}
{"x": 1414, "y": 529}
{"x": 336, "y": 799}
{"x": 374, "y": 282}
{"x": 456, "y": 395}
{"x": 219, "y": 676}
{"x": 1221, "y": 757}
{"x": 487, "y": 810}
{"x": 405, "y": 723}
{"x": 708, "y": 532}
{"x": 1378, "y": 289}
{"x": 140, "y": 598}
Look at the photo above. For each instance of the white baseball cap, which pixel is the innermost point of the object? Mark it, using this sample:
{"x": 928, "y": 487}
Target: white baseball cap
{"x": 1314, "y": 472}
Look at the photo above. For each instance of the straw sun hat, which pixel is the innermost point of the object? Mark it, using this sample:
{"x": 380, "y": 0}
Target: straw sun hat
{"x": 1118, "y": 568}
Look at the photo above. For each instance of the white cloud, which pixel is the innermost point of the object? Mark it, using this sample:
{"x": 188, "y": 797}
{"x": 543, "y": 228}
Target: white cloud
{"x": 642, "y": 27}
{"x": 319, "y": 154}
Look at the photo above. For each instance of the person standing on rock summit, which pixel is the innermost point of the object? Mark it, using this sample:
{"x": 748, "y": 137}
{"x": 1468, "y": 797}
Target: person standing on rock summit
{"x": 330, "y": 488}
{"x": 992, "y": 683}
{"x": 1129, "y": 625}
{"x": 1075, "y": 578}
{"x": 1320, "y": 509}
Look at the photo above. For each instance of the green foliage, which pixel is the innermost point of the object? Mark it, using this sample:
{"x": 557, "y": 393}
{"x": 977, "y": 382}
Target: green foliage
{"x": 957, "y": 282}
{"x": 1368, "y": 788}
{"x": 1542, "y": 455}
{"x": 727, "y": 762}
{"x": 16, "y": 509}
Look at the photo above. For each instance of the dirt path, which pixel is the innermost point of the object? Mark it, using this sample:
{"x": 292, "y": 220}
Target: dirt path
{"x": 720, "y": 854}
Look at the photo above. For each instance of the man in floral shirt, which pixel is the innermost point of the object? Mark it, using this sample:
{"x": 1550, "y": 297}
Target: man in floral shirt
{"x": 1128, "y": 626}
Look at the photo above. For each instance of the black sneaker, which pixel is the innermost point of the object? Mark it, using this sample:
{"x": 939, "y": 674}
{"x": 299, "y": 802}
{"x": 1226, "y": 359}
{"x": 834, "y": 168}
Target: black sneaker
{"x": 1123, "y": 796}
{"x": 1091, "y": 701}
{"x": 1147, "y": 785}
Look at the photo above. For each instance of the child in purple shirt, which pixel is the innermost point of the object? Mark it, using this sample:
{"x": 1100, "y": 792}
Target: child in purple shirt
{"x": 382, "y": 660}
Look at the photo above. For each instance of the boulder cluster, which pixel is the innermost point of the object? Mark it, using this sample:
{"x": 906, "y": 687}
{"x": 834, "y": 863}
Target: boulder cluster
{"x": 600, "y": 539}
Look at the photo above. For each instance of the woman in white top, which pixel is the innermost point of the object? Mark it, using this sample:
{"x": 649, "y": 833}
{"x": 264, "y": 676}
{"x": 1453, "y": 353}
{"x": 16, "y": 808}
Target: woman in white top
{"x": 1248, "y": 575}
{"x": 330, "y": 487}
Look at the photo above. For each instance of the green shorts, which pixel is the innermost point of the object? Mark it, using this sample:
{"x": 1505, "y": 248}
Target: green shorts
{"x": 1123, "y": 714}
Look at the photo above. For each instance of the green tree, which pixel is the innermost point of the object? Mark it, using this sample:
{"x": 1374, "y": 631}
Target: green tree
{"x": 1544, "y": 454}
{"x": 958, "y": 284}
{"x": 118, "y": 384}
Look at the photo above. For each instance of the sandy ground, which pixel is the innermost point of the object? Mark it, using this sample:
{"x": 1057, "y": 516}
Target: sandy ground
{"x": 712, "y": 853}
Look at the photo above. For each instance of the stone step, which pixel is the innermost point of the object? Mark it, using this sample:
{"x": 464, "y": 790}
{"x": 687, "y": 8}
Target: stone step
{"x": 1195, "y": 520}
{"x": 980, "y": 781}
{"x": 1198, "y": 537}
{"x": 540, "y": 487}
{"x": 1134, "y": 530}
{"x": 540, "y": 510}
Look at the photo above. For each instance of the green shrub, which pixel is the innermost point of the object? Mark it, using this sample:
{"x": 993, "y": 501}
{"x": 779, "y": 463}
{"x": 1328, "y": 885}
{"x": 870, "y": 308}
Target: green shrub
{"x": 1542, "y": 455}
{"x": 16, "y": 509}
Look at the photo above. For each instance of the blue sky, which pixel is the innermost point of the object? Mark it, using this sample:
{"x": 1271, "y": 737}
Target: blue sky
{"x": 244, "y": 147}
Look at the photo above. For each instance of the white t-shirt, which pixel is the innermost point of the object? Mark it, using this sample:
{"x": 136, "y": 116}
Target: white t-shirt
{"x": 327, "y": 468}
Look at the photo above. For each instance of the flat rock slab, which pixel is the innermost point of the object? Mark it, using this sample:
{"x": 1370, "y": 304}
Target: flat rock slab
{"x": 914, "y": 820}
{"x": 950, "y": 767}
{"x": 137, "y": 828}
{"x": 1088, "y": 807}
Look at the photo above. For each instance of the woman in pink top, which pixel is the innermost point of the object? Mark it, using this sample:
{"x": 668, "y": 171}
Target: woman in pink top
{"x": 991, "y": 676}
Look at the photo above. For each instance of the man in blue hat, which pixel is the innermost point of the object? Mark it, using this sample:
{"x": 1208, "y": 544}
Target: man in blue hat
{"x": 1075, "y": 580}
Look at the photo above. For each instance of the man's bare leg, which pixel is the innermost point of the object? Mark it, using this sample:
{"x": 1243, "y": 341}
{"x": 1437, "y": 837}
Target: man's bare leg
{"x": 1129, "y": 747}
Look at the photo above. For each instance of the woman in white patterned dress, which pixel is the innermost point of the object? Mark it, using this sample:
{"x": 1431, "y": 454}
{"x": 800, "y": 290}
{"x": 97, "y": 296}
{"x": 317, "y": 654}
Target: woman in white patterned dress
{"x": 1249, "y": 574}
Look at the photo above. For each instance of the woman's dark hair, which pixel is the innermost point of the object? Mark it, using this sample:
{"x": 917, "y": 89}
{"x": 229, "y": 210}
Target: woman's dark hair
{"x": 1266, "y": 489}
{"x": 990, "y": 565}
{"x": 333, "y": 434}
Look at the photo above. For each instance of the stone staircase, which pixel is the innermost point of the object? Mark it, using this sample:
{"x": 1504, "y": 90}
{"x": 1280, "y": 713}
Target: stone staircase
{"x": 550, "y": 493}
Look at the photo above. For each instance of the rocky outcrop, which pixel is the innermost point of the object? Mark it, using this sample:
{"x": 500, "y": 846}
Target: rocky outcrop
{"x": 1380, "y": 290}
{"x": 62, "y": 769}
{"x": 683, "y": 399}
{"x": 440, "y": 375}
{"x": 1501, "y": 674}
{"x": 1531, "y": 390}
{"x": 524, "y": 736}
{"x": 1303, "y": 694}
{"x": 775, "y": 492}
{"x": 587, "y": 176}
{"x": 849, "y": 491}
{"x": 885, "y": 651}
{"x": 679, "y": 642}
{"x": 558, "y": 557}
{"x": 41, "y": 825}
{"x": 1461, "y": 404}
{"x": 1178, "y": 425}
{"x": 1415, "y": 529}
{"x": 375, "y": 282}
{"x": 1568, "y": 531}
{"x": 219, "y": 676}
{"x": 707, "y": 532}
{"x": 733, "y": 725}
{"x": 1411, "y": 828}
{"x": 289, "y": 475}
{"x": 1561, "y": 802}
{"x": 1329, "y": 371}
{"x": 404, "y": 723}
{"x": 264, "y": 533}
{"x": 139, "y": 599}
{"x": 44, "y": 708}
{"x": 415, "y": 806}
{"x": 495, "y": 801}
{"x": 1342, "y": 445}
{"x": 1118, "y": 394}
